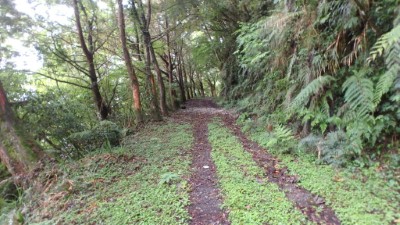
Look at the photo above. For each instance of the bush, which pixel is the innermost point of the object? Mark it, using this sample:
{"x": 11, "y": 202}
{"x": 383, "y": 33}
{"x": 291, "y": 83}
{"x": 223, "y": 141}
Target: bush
{"x": 106, "y": 132}
{"x": 280, "y": 140}
{"x": 333, "y": 149}
{"x": 310, "y": 143}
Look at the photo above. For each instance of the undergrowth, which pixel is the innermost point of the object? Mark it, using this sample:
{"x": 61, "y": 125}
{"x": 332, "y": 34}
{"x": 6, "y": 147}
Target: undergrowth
{"x": 248, "y": 196}
{"x": 143, "y": 182}
{"x": 358, "y": 197}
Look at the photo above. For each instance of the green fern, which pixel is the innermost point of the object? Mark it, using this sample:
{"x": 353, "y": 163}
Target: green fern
{"x": 385, "y": 42}
{"x": 389, "y": 43}
{"x": 168, "y": 178}
{"x": 348, "y": 116}
{"x": 281, "y": 140}
{"x": 359, "y": 93}
{"x": 283, "y": 133}
{"x": 385, "y": 82}
{"x": 313, "y": 88}
{"x": 335, "y": 148}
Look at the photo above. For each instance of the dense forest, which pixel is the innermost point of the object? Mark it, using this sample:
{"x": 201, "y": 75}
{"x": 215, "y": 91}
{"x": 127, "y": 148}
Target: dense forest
{"x": 134, "y": 112}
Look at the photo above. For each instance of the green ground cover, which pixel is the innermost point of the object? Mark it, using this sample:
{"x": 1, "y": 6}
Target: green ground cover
{"x": 358, "y": 197}
{"x": 248, "y": 196}
{"x": 143, "y": 182}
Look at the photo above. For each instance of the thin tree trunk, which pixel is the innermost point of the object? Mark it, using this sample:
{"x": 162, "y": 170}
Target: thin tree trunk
{"x": 101, "y": 105}
{"x": 215, "y": 88}
{"x": 152, "y": 84}
{"x": 161, "y": 86}
{"x": 212, "y": 87}
{"x": 201, "y": 89}
{"x": 137, "y": 44}
{"x": 192, "y": 82}
{"x": 18, "y": 151}
{"x": 212, "y": 90}
{"x": 144, "y": 23}
{"x": 181, "y": 81}
{"x": 185, "y": 78}
{"x": 172, "y": 93}
{"x": 128, "y": 62}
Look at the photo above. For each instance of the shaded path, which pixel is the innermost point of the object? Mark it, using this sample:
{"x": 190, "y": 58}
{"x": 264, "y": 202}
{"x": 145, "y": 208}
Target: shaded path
{"x": 205, "y": 207}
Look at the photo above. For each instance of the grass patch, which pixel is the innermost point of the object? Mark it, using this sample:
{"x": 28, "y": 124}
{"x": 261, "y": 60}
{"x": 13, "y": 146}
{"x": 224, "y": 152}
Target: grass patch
{"x": 248, "y": 196}
{"x": 362, "y": 198}
{"x": 144, "y": 182}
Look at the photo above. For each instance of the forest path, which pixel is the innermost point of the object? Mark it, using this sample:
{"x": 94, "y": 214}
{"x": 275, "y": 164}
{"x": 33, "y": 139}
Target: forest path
{"x": 205, "y": 196}
{"x": 205, "y": 207}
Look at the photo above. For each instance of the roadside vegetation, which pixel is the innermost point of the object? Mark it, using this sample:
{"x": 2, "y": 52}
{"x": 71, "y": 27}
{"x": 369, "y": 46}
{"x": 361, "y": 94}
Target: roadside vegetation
{"x": 357, "y": 195}
{"x": 142, "y": 182}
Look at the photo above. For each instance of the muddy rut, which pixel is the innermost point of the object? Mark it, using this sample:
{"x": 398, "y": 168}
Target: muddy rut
{"x": 205, "y": 198}
{"x": 205, "y": 208}
{"x": 311, "y": 205}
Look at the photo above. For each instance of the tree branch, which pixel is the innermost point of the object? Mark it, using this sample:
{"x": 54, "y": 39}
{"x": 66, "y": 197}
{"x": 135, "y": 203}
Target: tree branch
{"x": 62, "y": 81}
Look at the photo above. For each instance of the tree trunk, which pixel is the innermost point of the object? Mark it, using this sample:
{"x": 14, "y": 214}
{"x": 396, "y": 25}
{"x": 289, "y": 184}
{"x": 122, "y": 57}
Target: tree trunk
{"x": 172, "y": 93}
{"x": 128, "y": 62}
{"x": 152, "y": 58}
{"x": 101, "y": 105}
{"x": 215, "y": 88}
{"x": 192, "y": 82}
{"x": 185, "y": 78}
{"x": 181, "y": 81}
{"x": 143, "y": 24}
{"x": 201, "y": 89}
{"x": 137, "y": 44}
{"x": 212, "y": 90}
{"x": 212, "y": 87}
{"x": 18, "y": 151}
{"x": 156, "y": 114}
{"x": 161, "y": 86}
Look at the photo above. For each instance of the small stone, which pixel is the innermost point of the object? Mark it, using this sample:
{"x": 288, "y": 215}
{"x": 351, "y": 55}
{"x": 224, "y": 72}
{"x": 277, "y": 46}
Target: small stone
{"x": 206, "y": 167}
{"x": 319, "y": 200}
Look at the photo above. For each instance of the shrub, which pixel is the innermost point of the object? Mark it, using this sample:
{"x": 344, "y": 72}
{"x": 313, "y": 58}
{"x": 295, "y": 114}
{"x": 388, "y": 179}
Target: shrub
{"x": 333, "y": 149}
{"x": 280, "y": 140}
{"x": 106, "y": 132}
{"x": 310, "y": 143}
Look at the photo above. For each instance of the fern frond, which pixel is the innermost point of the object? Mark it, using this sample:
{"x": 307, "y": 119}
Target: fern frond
{"x": 359, "y": 93}
{"x": 389, "y": 42}
{"x": 283, "y": 133}
{"x": 290, "y": 67}
{"x": 289, "y": 95}
{"x": 385, "y": 42}
{"x": 279, "y": 20}
{"x": 385, "y": 82}
{"x": 311, "y": 89}
{"x": 349, "y": 116}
